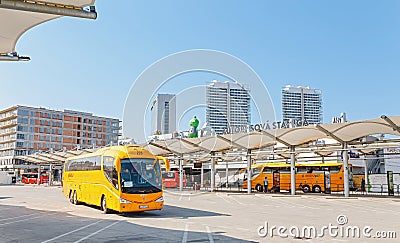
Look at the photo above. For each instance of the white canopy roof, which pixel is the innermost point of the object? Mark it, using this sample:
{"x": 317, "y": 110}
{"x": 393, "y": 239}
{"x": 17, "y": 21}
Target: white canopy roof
{"x": 16, "y": 22}
{"x": 341, "y": 132}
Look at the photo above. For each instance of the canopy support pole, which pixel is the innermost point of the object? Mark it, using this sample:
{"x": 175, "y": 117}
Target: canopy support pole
{"x": 366, "y": 181}
{"x": 345, "y": 155}
{"x": 180, "y": 173}
{"x": 202, "y": 175}
{"x": 39, "y": 173}
{"x": 212, "y": 166}
{"x": 248, "y": 171}
{"x": 292, "y": 170}
{"x": 227, "y": 176}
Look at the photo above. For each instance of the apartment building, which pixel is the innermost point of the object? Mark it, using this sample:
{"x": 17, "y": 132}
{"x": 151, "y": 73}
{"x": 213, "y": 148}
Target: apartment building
{"x": 26, "y": 130}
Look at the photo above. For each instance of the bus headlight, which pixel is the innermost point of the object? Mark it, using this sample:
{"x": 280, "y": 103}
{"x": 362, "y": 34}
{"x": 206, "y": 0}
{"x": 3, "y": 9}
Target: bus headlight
{"x": 161, "y": 199}
{"x": 121, "y": 200}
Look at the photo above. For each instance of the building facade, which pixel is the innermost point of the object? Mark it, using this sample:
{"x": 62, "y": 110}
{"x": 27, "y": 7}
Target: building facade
{"x": 302, "y": 103}
{"x": 26, "y": 130}
{"x": 163, "y": 114}
{"x": 228, "y": 105}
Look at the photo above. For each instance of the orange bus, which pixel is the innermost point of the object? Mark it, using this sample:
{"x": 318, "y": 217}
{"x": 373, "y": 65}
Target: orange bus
{"x": 310, "y": 177}
{"x": 118, "y": 178}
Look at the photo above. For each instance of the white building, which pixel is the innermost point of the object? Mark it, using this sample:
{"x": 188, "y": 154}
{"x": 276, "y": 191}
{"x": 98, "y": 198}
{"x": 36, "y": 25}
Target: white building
{"x": 302, "y": 103}
{"x": 163, "y": 114}
{"x": 228, "y": 105}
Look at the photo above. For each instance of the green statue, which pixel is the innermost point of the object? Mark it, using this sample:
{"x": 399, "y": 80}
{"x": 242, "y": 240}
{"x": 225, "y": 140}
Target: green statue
{"x": 194, "y": 123}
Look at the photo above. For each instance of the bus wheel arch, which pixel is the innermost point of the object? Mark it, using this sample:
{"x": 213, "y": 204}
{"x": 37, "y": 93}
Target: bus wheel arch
{"x": 306, "y": 188}
{"x": 259, "y": 188}
{"x": 316, "y": 189}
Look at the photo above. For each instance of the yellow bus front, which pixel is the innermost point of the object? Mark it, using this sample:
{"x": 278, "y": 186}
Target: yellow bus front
{"x": 140, "y": 185}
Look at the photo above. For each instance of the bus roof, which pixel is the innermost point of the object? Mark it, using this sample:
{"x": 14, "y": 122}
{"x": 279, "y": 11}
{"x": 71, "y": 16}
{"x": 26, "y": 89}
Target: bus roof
{"x": 281, "y": 164}
{"x": 130, "y": 151}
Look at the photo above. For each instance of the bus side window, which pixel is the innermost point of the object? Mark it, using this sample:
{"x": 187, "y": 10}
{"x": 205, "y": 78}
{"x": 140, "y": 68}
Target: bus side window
{"x": 267, "y": 170}
{"x": 110, "y": 171}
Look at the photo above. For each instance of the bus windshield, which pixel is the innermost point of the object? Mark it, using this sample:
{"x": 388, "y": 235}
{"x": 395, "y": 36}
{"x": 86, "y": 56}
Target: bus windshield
{"x": 255, "y": 172}
{"x": 140, "y": 175}
{"x": 169, "y": 174}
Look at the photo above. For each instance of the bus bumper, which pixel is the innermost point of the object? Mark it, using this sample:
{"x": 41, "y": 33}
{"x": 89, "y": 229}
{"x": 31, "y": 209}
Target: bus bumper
{"x": 140, "y": 207}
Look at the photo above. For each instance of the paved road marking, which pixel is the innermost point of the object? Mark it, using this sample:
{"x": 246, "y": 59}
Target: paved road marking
{"x": 84, "y": 227}
{"x": 185, "y": 234}
{"x": 210, "y": 238}
{"x": 95, "y": 233}
{"x": 295, "y": 204}
{"x": 223, "y": 198}
{"x": 21, "y": 220}
{"x": 19, "y": 216}
{"x": 234, "y": 199}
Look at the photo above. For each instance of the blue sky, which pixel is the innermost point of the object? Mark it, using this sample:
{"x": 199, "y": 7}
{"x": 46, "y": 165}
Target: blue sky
{"x": 348, "y": 49}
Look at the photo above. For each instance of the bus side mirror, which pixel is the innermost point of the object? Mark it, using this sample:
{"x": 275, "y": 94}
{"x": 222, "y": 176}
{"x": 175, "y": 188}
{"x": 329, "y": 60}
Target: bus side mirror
{"x": 166, "y": 162}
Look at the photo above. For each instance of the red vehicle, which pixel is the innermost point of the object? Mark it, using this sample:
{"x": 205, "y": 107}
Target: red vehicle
{"x": 171, "y": 179}
{"x": 32, "y": 177}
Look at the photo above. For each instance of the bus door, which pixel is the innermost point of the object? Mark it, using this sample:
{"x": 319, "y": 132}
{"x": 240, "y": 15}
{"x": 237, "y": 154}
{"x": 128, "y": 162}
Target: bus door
{"x": 327, "y": 182}
{"x": 276, "y": 181}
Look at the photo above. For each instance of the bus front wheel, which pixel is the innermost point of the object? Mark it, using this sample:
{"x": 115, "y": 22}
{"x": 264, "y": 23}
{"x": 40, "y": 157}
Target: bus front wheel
{"x": 259, "y": 188}
{"x": 104, "y": 205}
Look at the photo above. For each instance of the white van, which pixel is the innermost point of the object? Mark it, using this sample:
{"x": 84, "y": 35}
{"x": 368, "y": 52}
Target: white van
{"x": 7, "y": 177}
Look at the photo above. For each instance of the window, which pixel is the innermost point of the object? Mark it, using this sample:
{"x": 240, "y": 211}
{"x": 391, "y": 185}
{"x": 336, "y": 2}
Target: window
{"x": 23, "y": 113}
{"x": 109, "y": 170}
{"x": 23, "y": 120}
{"x": 20, "y": 136}
{"x": 84, "y": 164}
{"x": 41, "y": 129}
{"x": 22, "y": 129}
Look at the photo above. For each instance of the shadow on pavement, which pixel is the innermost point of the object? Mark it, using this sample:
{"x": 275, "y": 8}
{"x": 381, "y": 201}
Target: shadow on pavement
{"x": 1, "y": 198}
{"x": 173, "y": 212}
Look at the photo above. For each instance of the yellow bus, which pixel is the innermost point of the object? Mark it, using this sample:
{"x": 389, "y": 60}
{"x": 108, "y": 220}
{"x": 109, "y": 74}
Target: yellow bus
{"x": 310, "y": 177}
{"x": 118, "y": 178}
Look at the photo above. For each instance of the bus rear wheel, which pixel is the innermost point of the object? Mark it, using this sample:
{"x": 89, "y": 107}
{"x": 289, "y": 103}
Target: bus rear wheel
{"x": 317, "y": 189}
{"x": 71, "y": 198}
{"x": 75, "y": 198}
{"x": 259, "y": 188}
{"x": 104, "y": 205}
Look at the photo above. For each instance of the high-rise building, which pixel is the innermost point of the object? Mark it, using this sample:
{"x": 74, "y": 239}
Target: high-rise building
{"x": 26, "y": 130}
{"x": 228, "y": 105}
{"x": 163, "y": 114}
{"x": 302, "y": 103}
